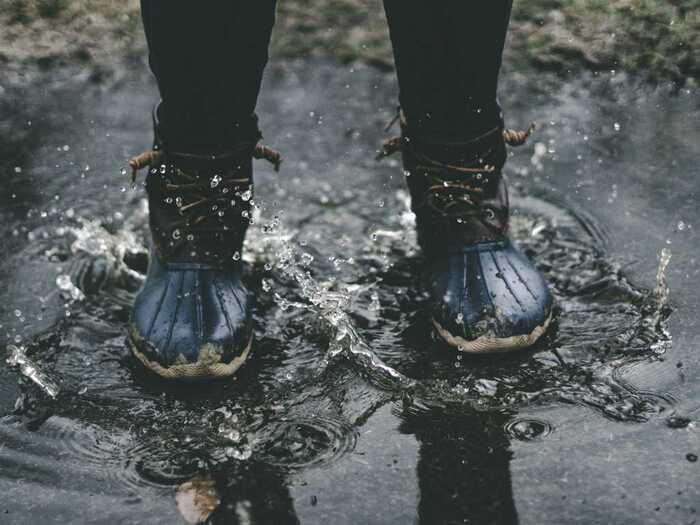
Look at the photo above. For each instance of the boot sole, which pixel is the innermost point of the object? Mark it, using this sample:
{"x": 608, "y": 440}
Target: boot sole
{"x": 492, "y": 345}
{"x": 192, "y": 371}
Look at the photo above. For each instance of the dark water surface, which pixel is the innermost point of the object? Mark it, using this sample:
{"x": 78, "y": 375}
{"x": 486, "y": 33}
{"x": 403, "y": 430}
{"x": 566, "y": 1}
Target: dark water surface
{"x": 349, "y": 412}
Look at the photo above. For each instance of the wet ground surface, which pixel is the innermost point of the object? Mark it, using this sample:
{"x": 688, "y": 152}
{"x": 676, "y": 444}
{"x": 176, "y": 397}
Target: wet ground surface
{"x": 349, "y": 412}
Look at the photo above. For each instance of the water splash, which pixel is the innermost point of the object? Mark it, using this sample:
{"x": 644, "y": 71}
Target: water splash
{"x": 661, "y": 292}
{"x": 18, "y": 359}
{"x": 331, "y": 306}
{"x": 111, "y": 251}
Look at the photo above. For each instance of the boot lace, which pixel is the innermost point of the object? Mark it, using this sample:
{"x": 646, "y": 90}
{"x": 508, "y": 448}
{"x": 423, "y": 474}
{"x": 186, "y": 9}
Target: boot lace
{"x": 449, "y": 198}
{"x": 199, "y": 199}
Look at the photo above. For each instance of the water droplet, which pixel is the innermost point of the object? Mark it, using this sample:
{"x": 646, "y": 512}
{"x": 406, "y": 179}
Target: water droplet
{"x": 176, "y": 234}
{"x": 64, "y": 282}
{"x": 375, "y": 305}
{"x": 236, "y": 256}
{"x": 18, "y": 313}
{"x": 682, "y": 226}
{"x": 215, "y": 180}
{"x": 163, "y": 168}
{"x": 123, "y": 171}
{"x": 616, "y": 126}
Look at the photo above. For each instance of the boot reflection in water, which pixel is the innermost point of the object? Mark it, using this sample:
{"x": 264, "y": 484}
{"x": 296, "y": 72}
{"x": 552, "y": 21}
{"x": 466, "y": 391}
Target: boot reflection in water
{"x": 192, "y": 318}
{"x": 464, "y": 466}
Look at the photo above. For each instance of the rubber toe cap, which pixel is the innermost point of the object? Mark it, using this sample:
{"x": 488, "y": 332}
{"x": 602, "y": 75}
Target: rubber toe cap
{"x": 489, "y": 292}
{"x": 191, "y": 317}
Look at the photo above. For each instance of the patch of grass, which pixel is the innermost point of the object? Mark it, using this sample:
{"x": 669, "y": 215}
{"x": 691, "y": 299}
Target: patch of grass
{"x": 99, "y": 33}
{"x": 657, "y": 38}
{"x": 347, "y": 29}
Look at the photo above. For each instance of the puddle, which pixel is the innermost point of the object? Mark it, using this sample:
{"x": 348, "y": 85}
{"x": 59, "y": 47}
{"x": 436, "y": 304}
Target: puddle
{"x": 340, "y": 334}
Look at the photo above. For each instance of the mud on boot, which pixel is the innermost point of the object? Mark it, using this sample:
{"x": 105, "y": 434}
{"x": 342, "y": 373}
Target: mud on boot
{"x": 192, "y": 318}
{"x": 486, "y": 296}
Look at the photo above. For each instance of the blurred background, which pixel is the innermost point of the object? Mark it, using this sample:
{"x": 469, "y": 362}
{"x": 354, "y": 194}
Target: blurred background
{"x": 654, "y": 38}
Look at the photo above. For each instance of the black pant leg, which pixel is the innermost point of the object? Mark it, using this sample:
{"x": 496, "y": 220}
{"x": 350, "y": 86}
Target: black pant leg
{"x": 208, "y": 59}
{"x": 448, "y": 55}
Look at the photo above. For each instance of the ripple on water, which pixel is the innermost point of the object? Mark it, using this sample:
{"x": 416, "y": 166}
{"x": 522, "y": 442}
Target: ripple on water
{"x": 363, "y": 310}
{"x": 528, "y": 429}
{"x": 307, "y": 441}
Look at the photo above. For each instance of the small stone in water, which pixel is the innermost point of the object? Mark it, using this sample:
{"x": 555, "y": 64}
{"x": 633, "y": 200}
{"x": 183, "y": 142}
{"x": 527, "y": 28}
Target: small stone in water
{"x": 691, "y": 457}
{"x": 677, "y": 422}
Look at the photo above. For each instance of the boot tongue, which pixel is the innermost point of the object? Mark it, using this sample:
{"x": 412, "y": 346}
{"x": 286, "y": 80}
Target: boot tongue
{"x": 462, "y": 190}
{"x": 200, "y": 205}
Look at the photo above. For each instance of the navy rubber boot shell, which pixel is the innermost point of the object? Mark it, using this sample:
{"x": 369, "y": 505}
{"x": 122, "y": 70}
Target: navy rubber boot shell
{"x": 487, "y": 298}
{"x": 192, "y": 318}
{"x": 486, "y": 295}
{"x": 192, "y": 322}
